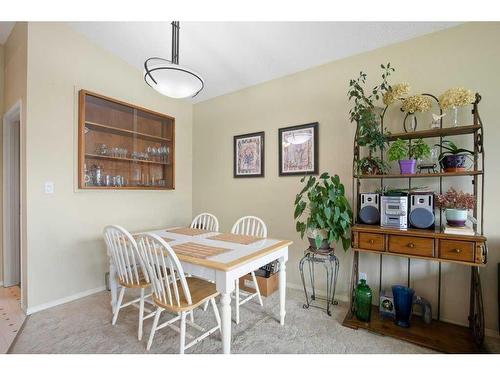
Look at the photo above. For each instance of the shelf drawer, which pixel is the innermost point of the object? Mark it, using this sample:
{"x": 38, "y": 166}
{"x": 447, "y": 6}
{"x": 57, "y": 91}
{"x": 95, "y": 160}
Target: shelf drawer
{"x": 456, "y": 250}
{"x": 371, "y": 241}
{"x": 411, "y": 245}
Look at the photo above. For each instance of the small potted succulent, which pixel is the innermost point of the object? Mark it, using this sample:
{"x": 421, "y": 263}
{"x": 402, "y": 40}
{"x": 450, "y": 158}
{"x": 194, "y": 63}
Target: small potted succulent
{"x": 407, "y": 154}
{"x": 453, "y": 159}
{"x": 327, "y": 212}
{"x": 456, "y": 205}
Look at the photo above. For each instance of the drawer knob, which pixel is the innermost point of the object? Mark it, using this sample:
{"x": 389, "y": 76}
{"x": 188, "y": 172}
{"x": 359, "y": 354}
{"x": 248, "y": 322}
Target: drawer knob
{"x": 411, "y": 245}
{"x": 371, "y": 242}
{"x": 458, "y": 251}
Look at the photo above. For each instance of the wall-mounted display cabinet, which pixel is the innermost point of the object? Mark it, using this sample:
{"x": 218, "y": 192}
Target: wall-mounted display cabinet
{"x": 123, "y": 146}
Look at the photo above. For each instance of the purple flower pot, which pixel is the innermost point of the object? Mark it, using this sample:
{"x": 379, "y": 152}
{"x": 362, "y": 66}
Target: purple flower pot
{"x": 408, "y": 166}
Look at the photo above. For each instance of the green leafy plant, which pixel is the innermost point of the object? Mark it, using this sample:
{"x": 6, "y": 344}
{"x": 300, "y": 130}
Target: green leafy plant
{"x": 322, "y": 205}
{"x": 373, "y": 165}
{"x": 398, "y": 150}
{"x": 452, "y": 149}
{"x": 364, "y": 112}
{"x": 419, "y": 150}
{"x": 403, "y": 150}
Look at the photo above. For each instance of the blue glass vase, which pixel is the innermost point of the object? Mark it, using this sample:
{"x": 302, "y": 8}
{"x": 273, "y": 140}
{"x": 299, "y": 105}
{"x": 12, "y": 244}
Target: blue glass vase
{"x": 403, "y": 301}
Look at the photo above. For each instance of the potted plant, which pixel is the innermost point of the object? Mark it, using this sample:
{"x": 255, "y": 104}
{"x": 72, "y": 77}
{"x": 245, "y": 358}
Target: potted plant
{"x": 456, "y": 205}
{"x": 368, "y": 119}
{"x": 407, "y": 154}
{"x": 453, "y": 158}
{"x": 455, "y": 98}
{"x": 323, "y": 212}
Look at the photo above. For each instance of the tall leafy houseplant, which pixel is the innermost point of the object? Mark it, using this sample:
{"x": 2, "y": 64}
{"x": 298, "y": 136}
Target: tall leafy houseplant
{"x": 323, "y": 211}
{"x": 364, "y": 114}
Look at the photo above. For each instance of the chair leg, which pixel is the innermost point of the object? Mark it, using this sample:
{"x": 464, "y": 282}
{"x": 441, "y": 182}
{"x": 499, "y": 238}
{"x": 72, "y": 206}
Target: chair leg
{"x": 192, "y": 316}
{"x": 237, "y": 299}
{"x": 141, "y": 315}
{"x": 257, "y": 288}
{"x": 205, "y": 306}
{"x": 153, "y": 329}
{"x": 216, "y": 312}
{"x": 118, "y": 304}
{"x": 183, "y": 333}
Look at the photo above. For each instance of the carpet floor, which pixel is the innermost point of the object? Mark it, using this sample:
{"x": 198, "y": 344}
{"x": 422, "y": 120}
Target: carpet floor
{"x": 83, "y": 326}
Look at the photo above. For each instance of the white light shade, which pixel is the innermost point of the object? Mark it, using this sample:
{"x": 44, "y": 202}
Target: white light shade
{"x": 172, "y": 80}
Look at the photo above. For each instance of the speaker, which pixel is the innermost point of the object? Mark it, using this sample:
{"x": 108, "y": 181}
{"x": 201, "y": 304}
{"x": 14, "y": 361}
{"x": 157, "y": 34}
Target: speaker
{"x": 369, "y": 210}
{"x": 422, "y": 211}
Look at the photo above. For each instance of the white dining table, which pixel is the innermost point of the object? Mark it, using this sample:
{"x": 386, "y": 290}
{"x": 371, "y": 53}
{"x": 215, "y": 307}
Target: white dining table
{"x": 224, "y": 269}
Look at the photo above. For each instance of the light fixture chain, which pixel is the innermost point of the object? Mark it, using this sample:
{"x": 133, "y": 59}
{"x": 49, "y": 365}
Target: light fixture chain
{"x": 175, "y": 42}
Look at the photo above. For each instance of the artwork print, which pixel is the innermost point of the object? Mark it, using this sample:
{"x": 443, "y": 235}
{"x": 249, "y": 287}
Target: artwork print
{"x": 249, "y": 155}
{"x": 299, "y": 150}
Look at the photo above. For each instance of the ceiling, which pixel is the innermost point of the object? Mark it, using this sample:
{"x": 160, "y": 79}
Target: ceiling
{"x": 234, "y": 55}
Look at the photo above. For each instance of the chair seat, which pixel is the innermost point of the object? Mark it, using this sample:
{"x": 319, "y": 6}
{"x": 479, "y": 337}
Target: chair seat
{"x": 201, "y": 291}
{"x": 143, "y": 283}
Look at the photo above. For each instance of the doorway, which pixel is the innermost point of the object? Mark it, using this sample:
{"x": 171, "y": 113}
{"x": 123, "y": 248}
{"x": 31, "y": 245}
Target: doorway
{"x": 11, "y": 197}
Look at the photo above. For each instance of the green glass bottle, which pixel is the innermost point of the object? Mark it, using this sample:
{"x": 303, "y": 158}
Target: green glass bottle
{"x": 363, "y": 301}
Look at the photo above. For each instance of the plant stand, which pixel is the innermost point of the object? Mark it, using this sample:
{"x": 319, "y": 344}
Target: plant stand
{"x": 331, "y": 264}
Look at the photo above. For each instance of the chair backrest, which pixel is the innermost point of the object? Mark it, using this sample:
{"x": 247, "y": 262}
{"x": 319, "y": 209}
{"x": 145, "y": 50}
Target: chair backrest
{"x": 206, "y": 221}
{"x": 164, "y": 269}
{"x": 250, "y": 225}
{"x": 125, "y": 255}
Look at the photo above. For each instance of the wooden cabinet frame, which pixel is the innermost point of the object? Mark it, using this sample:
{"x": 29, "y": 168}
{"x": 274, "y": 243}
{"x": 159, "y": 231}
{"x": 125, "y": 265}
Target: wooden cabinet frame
{"x": 146, "y": 128}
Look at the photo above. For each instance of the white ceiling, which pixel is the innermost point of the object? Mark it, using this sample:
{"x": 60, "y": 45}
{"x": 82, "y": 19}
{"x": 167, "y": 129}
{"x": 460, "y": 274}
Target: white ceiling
{"x": 233, "y": 55}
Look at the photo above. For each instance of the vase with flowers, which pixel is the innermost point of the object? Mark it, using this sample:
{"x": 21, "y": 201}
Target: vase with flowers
{"x": 413, "y": 104}
{"x": 455, "y": 98}
{"x": 456, "y": 205}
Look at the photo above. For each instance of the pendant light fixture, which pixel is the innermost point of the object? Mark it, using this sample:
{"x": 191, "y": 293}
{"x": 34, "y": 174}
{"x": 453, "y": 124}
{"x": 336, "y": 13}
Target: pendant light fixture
{"x": 168, "y": 77}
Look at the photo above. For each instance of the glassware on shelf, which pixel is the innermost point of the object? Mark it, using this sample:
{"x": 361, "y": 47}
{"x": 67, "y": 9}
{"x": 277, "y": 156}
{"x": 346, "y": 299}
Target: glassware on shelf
{"x": 96, "y": 175}
{"x": 363, "y": 301}
{"x": 101, "y": 149}
{"x": 403, "y": 302}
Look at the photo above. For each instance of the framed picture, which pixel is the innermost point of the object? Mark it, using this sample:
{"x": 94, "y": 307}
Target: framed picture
{"x": 249, "y": 155}
{"x": 298, "y": 153}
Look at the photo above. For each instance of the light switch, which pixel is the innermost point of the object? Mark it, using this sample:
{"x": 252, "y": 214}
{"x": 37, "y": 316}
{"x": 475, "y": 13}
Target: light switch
{"x": 362, "y": 276}
{"x": 49, "y": 187}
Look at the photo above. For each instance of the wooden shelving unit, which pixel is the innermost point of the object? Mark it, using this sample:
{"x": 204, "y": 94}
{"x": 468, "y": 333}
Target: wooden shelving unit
{"x": 419, "y": 175}
{"x": 432, "y": 245}
{"x": 124, "y": 146}
{"x": 438, "y": 335}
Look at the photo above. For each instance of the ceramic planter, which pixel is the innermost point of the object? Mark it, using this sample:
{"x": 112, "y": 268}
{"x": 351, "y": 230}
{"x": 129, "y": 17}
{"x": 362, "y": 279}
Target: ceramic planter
{"x": 454, "y": 163}
{"x": 456, "y": 217}
{"x": 408, "y": 166}
{"x": 311, "y": 235}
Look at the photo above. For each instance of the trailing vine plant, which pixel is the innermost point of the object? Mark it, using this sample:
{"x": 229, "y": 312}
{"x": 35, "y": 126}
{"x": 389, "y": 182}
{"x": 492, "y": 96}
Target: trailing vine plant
{"x": 365, "y": 116}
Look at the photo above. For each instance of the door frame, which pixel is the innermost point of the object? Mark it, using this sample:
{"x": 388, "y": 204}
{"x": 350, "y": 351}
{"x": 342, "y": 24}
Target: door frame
{"x": 13, "y": 114}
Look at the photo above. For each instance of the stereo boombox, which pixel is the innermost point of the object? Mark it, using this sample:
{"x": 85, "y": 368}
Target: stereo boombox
{"x": 397, "y": 210}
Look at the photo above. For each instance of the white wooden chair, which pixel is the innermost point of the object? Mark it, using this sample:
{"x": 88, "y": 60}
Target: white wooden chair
{"x": 206, "y": 221}
{"x": 173, "y": 291}
{"x": 251, "y": 226}
{"x": 132, "y": 274}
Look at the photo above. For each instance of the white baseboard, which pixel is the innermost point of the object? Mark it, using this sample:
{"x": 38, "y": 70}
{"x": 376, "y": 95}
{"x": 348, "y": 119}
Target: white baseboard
{"x": 48, "y": 305}
{"x": 1, "y": 282}
{"x": 344, "y": 298}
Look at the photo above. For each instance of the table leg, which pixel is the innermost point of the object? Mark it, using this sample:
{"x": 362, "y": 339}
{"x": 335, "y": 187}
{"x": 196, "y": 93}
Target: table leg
{"x": 226, "y": 322}
{"x": 282, "y": 290}
{"x": 113, "y": 285}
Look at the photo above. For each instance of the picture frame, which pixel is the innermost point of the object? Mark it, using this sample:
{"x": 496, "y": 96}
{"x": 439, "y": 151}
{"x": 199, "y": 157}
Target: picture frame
{"x": 248, "y": 155}
{"x": 298, "y": 150}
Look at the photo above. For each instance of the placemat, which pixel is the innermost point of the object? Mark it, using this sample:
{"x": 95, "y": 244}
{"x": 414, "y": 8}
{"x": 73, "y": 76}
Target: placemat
{"x": 188, "y": 231}
{"x": 242, "y": 239}
{"x": 166, "y": 239}
{"x": 196, "y": 250}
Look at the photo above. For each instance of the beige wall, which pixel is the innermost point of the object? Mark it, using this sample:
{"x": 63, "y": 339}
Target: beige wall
{"x": 66, "y": 253}
{"x": 1, "y": 149}
{"x": 468, "y": 55}
{"x": 15, "y": 86}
